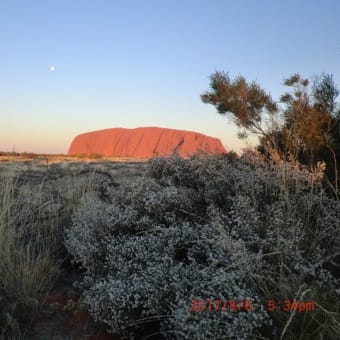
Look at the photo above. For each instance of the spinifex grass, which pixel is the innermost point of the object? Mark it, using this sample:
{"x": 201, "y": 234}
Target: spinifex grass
{"x": 27, "y": 263}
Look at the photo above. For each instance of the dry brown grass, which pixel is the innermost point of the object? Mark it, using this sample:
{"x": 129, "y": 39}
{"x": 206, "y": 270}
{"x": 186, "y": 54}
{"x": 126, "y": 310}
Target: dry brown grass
{"x": 37, "y": 200}
{"x": 52, "y": 159}
{"x": 28, "y": 265}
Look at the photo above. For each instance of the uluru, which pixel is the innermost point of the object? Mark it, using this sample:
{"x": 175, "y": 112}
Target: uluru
{"x": 144, "y": 142}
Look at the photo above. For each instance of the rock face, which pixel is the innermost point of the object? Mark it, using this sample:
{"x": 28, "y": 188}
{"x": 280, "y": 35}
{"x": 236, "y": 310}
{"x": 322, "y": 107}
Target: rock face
{"x": 144, "y": 142}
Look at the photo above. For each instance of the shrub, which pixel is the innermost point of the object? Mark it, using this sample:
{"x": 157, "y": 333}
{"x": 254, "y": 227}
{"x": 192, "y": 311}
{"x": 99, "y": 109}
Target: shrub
{"x": 212, "y": 228}
{"x": 155, "y": 274}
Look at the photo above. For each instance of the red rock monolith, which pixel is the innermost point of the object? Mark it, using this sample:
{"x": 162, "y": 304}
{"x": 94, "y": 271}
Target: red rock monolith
{"x": 143, "y": 142}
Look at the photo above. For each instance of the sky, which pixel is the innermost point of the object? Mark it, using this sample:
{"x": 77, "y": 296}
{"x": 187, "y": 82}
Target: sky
{"x": 145, "y": 63}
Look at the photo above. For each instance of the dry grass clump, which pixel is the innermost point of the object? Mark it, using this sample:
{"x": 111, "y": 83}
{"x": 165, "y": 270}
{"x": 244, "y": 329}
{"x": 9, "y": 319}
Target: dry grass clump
{"x": 28, "y": 265}
{"x": 36, "y": 203}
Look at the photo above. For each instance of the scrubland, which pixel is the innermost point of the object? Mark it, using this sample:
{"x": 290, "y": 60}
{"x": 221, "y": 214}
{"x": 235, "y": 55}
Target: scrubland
{"x": 134, "y": 243}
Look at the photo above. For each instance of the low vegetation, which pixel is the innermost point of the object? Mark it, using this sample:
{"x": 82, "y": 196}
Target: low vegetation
{"x": 28, "y": 265}
{"x": 217, "y": 229}
{"x": 36, "y": 203}
{"x": 151, "y": 239}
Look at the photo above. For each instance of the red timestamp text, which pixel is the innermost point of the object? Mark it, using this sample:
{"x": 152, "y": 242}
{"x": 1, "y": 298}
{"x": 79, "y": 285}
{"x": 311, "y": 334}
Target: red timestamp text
{"x": 220, "y": 305}
{"x": 290, "y": 305}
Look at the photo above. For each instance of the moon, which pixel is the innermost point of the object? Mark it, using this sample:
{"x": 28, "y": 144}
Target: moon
{"x": 52, "y": 68}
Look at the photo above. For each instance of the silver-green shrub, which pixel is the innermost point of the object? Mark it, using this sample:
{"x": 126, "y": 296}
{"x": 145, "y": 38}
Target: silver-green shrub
{"x": 208, "y": 228}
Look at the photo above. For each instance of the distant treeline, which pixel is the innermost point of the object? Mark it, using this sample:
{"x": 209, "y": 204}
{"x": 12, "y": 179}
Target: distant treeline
{"x": 32, "y": 155}
{"x": 29, "y": 155}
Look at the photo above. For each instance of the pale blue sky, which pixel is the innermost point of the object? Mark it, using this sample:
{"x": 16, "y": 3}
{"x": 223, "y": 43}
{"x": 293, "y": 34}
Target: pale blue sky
{"x": 145, "y": 63}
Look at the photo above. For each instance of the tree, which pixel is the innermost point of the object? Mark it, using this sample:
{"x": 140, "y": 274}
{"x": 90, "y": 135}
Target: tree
{"x": 311, "y": 120}
{"x": 325, "y": 93}
{"x": 306, "y": 123}
{"x": 246, "y": 103}
{"x": 310, "y": 116}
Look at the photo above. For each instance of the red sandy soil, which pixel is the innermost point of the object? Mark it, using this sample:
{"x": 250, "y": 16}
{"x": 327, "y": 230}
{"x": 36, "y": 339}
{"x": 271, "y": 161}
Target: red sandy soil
{"x": 143, "y": 142}
{"x": 62, "y": 318}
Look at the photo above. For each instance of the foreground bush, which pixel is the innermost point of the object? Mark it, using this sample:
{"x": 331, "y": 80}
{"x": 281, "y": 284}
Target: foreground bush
{"x": 212, "y": 228}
